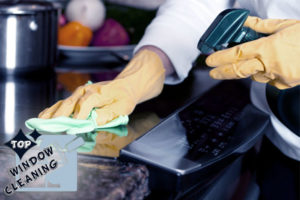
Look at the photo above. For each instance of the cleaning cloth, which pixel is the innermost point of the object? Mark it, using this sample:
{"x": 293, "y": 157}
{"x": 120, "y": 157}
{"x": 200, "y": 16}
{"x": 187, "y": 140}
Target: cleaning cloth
{"x": 75, "y": 126}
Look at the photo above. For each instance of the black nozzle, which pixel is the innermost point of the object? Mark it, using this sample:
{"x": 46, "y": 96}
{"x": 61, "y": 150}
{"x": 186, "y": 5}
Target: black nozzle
{"x": 227, "y": 29}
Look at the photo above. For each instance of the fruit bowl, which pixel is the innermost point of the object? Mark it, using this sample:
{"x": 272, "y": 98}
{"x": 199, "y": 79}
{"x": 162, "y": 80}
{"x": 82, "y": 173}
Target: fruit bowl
{"x": 134, "y": 20}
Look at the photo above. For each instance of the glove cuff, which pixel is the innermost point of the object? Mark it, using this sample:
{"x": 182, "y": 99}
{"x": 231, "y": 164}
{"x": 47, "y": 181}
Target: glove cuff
{"x": 144, "y": 75}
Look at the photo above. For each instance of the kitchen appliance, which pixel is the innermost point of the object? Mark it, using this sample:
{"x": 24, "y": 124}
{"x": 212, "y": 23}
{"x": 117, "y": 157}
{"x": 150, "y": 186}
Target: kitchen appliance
{"x": 192, "y": 145}
{"x": 28, "y": 36}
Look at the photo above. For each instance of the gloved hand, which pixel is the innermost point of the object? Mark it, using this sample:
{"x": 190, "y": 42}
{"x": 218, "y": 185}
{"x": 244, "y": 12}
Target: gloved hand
{"x": 274, "y": 59}
{"x": 142, "y": 79}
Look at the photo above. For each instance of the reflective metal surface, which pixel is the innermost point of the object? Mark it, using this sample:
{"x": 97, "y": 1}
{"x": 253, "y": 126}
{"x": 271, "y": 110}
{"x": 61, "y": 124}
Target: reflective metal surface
{"x": 21, "y": 99}
{"x": 19, "y": 7}
{"x": 28, "y": 36}
{"x": 24, "y": 97}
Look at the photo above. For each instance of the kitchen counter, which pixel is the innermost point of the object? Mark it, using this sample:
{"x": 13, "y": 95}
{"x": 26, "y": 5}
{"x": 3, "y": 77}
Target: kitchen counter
{"x": 255, "y": 174}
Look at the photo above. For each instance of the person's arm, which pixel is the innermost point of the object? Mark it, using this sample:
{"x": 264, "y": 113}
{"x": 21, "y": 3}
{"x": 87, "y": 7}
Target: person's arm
{"x": 170, "y": 41}
{"x": 163, "y": 56}
{"x": 176, "y": 30}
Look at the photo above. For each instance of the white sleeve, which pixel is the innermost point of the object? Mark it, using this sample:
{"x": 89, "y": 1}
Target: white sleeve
{"x": 177, "y": 28}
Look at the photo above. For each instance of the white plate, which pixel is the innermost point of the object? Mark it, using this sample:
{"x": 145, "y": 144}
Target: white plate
{"x": 97, "y": 54}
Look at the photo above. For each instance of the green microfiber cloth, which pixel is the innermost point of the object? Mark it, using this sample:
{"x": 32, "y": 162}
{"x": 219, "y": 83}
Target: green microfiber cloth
{"x": 75, "y": 126}
{"x": 89, "y": 142}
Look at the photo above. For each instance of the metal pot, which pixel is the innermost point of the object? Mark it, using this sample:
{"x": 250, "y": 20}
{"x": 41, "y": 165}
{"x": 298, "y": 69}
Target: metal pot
{"x": 28, "y": 36}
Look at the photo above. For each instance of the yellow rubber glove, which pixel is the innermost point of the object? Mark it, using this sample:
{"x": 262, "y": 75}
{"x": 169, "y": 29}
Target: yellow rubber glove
{"x": 142, "y": 79}
{"x": 274, "y": 59}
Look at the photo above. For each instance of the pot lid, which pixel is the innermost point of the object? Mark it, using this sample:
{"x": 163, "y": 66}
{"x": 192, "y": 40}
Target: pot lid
{"x": 18, "y": 7}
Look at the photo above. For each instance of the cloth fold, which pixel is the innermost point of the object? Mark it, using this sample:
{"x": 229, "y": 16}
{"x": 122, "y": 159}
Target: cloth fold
{"x": 74, "y": 126}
